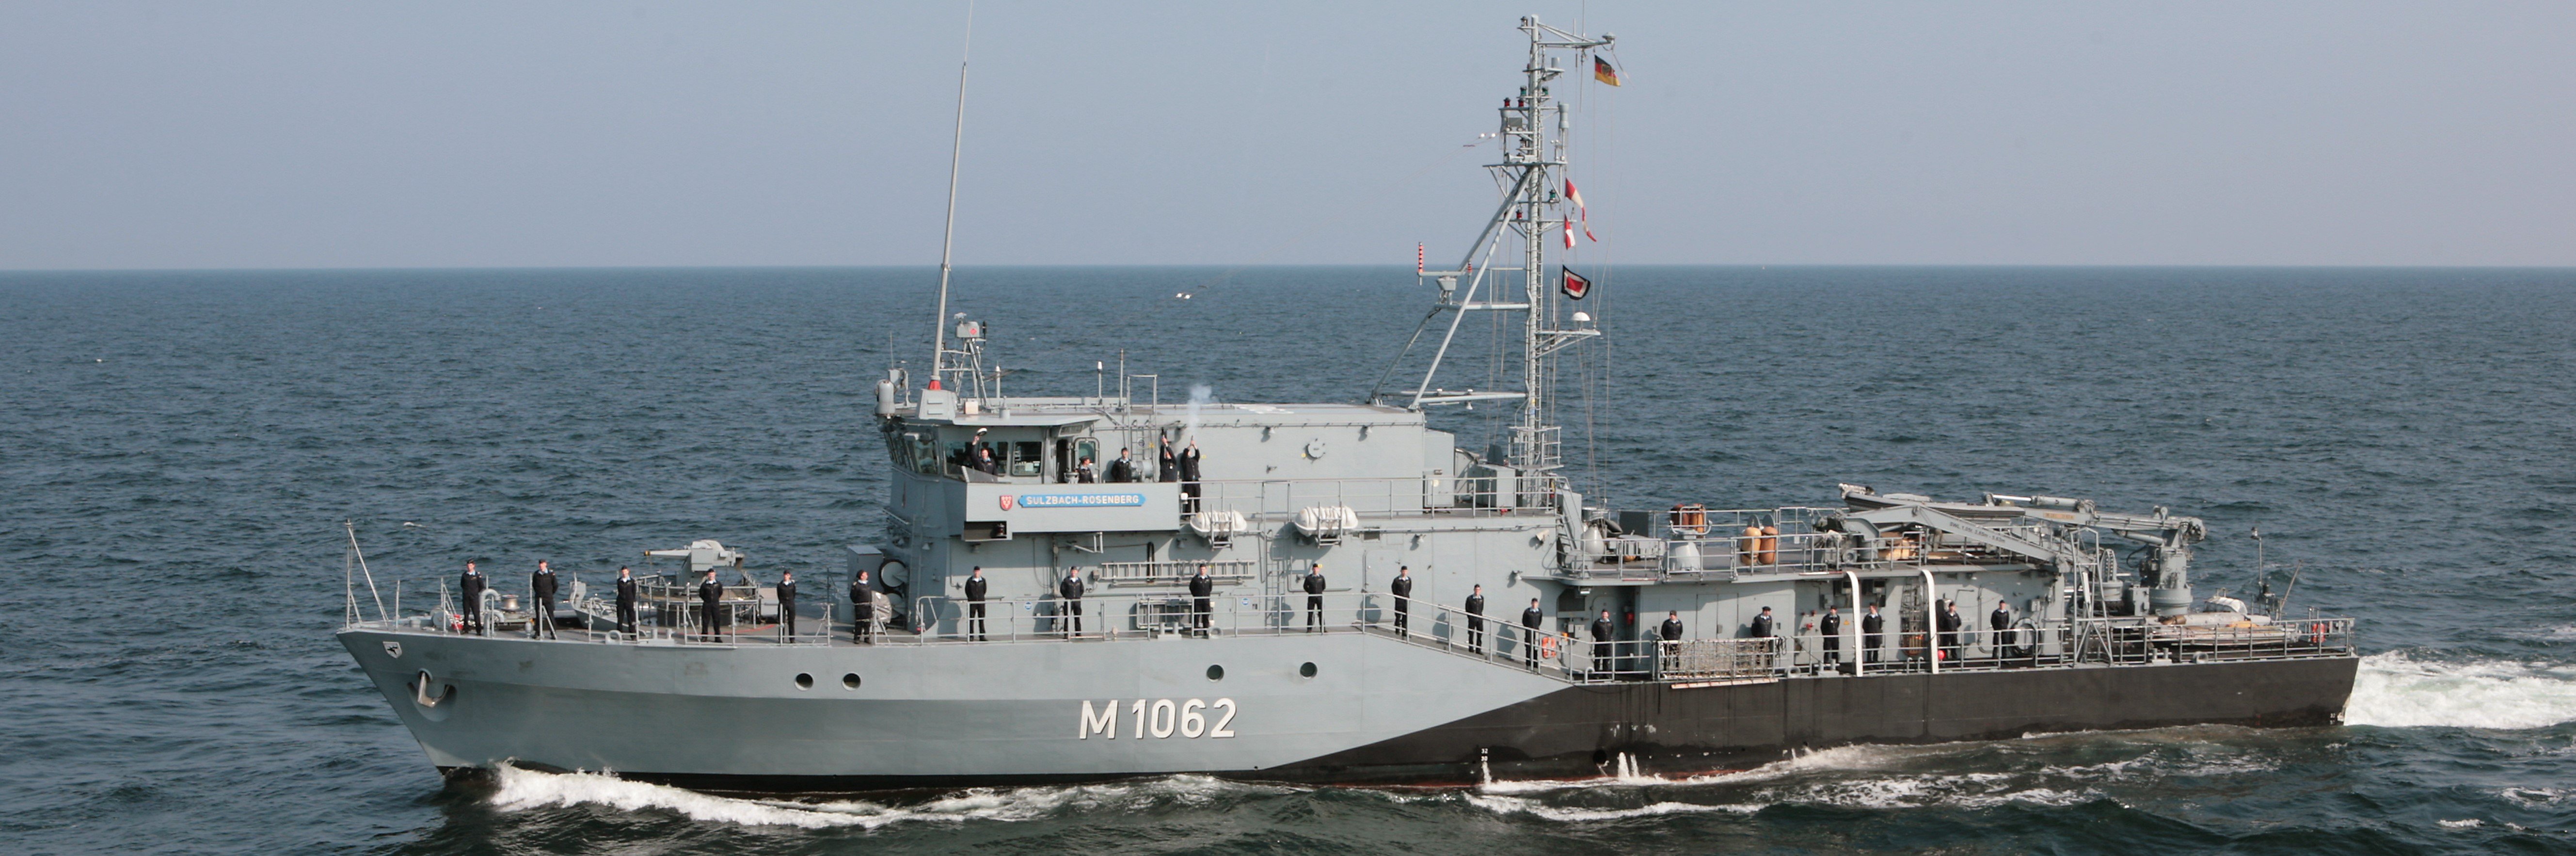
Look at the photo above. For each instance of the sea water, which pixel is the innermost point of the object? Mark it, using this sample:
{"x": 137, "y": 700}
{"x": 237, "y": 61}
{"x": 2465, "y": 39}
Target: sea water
{"x": 178, "y": 452}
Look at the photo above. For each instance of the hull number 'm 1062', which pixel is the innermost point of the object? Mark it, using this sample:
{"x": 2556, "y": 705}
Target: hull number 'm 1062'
{"x": 1160, "y": 717}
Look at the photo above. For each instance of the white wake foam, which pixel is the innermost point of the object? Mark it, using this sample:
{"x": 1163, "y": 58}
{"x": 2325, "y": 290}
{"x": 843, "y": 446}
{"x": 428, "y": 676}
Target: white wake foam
{"x": 1840, "y": 758}
{"x": 526, "y": 789}
{"x": 1860, "y": 776}
{"x": 2397, "y": 690}
{"x": 1499, "y": 804}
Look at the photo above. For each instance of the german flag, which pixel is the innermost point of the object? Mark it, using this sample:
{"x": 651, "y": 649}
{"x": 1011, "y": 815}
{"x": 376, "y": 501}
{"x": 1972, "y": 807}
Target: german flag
{"x": 1602, "y": 71}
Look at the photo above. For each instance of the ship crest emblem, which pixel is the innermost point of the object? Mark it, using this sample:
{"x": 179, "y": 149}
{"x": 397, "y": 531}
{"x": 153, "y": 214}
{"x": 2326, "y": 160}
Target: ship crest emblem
{"x": 393, "y": 649}
{"x": 1006, "y": 502}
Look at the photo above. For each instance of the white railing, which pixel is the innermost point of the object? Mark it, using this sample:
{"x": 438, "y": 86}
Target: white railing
{"x": 1173, "y": 573}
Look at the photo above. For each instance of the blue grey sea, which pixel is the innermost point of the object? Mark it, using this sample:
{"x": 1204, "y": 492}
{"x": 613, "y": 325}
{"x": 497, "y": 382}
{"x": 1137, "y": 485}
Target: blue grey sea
{"x": 179, "y": 451}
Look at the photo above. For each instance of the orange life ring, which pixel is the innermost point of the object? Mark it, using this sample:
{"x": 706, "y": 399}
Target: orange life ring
{"x": 1547, "y": 646}
{"x": 2317, "y": 633}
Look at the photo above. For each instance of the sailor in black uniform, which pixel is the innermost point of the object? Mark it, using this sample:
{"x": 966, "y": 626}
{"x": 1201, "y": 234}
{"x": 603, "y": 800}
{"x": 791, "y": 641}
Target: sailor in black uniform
{"x": 1190, "y": 478}
{"x": 976, "y": 586}
{"x": 1873, "y": 627}
{"x": 2001, "y": 621}
{"x": 1762, "y": 624}
{"x": 1402, "y": 588}
{"x": 625, "y": 600}
{"x": 863, "y": 609}
{"x": 1672, "y": 629}
{"x": 1529, "y": 632}
{"x": 1071, "y": 591}
{"x": 984, "y": 461}
{"x": 1476, "y": 620}
{"x": 1314, "y": 596}
{"x": 1202, "y": 587}
{"x": 1949, "y": 626}
{"x": 1123, "y": 470}
{"x": 1601, "y": 632}
{"x": 543, "y": 585}
{"x": 709, "y": 592}
{"x": 1166, "y": 467}
{"x": 1085, "y": 473}
{"x": 787, "y": 602}
{"x": 472, "y": 587}
{"x": 1832, "y": 628}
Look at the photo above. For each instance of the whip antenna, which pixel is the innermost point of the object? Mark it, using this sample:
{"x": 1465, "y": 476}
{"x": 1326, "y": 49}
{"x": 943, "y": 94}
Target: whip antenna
{"x": 948, "y": 237}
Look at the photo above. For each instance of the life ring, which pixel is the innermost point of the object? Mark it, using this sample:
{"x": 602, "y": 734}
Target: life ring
{"x": 2317, "y": 634}
{"x": 1547, "y": 646}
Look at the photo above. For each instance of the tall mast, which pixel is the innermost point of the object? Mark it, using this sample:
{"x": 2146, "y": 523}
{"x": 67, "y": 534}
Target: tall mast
{"x": 1532, "y": 166}
{"x": 948, "y": 237}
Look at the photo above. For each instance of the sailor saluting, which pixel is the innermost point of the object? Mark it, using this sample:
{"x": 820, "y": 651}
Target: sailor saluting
{"x": 863, "y": 608}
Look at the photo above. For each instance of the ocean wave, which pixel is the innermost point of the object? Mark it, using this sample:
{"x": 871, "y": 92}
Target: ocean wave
{"x": 1858, "y": 776}
{"x": 2396, "y": 689}
{"x": 1840, "y": 758}
{"x": 1500, "y": 804}
{"x": 529, "y": 789}
{"x": 1972, "y": 790}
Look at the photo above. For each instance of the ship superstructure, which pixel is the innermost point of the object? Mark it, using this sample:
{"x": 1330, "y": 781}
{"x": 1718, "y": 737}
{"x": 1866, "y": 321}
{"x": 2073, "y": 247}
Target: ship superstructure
{"x": 2004, "y": 615}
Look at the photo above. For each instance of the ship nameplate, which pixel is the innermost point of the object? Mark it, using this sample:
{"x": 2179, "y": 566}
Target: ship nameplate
{"x": 1073, "y": 500}
{"x": 1163, "y": 718}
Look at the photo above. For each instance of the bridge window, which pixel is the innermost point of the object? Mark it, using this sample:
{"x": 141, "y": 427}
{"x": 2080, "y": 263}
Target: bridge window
{"x": 925, "y": 455}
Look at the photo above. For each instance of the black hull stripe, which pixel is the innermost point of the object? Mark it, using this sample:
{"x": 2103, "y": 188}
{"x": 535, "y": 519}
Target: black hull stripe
{"x": 1572, "y": 731}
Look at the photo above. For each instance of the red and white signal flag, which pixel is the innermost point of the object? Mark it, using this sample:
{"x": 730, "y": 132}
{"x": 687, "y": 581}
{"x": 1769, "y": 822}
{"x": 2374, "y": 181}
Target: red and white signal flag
{"x": 1580, "y": 213}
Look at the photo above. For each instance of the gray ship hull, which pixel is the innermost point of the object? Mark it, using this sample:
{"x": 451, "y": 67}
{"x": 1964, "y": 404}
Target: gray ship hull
{"x": 1375, "y": 711}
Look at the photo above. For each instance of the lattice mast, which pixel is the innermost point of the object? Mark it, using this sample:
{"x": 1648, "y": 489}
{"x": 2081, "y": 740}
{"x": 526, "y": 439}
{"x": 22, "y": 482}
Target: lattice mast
{"x": 1533, "y": 138}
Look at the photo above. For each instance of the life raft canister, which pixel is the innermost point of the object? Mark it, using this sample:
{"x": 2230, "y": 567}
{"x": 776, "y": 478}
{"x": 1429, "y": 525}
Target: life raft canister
{"x": 1691, "y": 519}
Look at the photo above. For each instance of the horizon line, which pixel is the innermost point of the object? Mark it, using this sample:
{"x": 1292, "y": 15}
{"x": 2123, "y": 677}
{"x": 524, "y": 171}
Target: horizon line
{"x": 4, "y": 271}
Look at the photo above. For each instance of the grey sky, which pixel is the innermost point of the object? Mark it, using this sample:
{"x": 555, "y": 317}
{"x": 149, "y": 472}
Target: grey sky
{"x": 475, "y": 134}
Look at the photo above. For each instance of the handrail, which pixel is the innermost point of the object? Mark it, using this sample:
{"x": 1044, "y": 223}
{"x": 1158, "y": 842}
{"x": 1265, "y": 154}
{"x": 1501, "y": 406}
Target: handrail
{"x": 1908, "y": 647}
{"x": 1171, "y": 573}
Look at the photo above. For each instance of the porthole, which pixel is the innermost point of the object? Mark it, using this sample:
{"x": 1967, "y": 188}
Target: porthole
{"x": 850, "y": 681}
{"x": 804, "y": 681}
{"x": 1306, "y": 671}
{"x": 1216, "y": 673}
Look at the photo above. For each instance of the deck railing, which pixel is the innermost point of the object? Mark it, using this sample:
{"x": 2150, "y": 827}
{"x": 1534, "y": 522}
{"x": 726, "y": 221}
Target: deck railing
{"x": 1498, "y": 639}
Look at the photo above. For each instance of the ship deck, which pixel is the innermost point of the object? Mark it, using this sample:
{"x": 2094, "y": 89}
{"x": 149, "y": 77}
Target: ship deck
{"x": 1500, "y": 642}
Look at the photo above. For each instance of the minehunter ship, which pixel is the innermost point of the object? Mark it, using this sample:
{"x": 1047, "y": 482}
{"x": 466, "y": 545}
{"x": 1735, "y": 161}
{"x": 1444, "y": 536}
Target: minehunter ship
{"x": 1261, "y": 679}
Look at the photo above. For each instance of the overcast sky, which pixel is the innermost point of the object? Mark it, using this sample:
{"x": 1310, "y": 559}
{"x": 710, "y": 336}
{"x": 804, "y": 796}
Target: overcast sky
{"x": 184, "y": 135}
